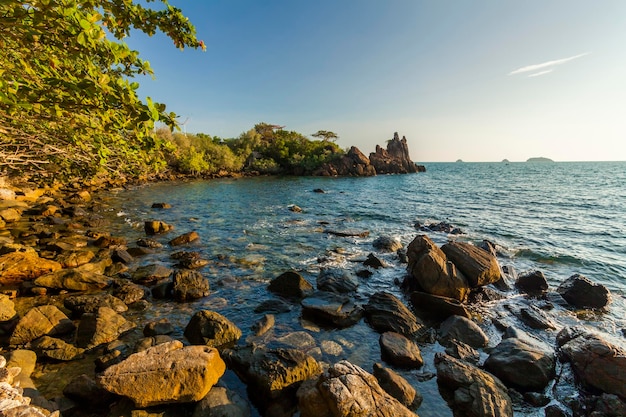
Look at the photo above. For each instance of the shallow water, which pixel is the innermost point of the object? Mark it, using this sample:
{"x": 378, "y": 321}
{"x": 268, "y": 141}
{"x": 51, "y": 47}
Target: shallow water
{"x": 561, "y": 218}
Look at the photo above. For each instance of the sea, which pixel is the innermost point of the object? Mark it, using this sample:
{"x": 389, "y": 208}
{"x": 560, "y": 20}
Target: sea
{"x": 561, "y": 218}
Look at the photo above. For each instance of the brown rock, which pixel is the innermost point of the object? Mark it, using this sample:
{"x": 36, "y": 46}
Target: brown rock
{"x": 479, "y": 266}
{"x": 396, "y": 386}
{"x": 21, "y": 266}
{"x": 154, "y": 227}
{"x": 395, "y": 159}
{"x": 290, "y": 284}
{"x": 103, "y": 326}
{"x": 40, "y": 321}
{"x": 398, "y": 350}
{"x": 385, "y": 312}
{"x": 211, "y": 329}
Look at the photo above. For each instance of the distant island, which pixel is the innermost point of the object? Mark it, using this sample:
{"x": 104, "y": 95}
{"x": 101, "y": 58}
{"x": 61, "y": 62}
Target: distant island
{"x": 506, "y": 160}
{"x": 459, "y": 160}
{"x": 539, "y": 159}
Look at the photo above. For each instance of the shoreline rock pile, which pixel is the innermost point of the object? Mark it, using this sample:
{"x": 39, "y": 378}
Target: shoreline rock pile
{"x": 86, "y": 283}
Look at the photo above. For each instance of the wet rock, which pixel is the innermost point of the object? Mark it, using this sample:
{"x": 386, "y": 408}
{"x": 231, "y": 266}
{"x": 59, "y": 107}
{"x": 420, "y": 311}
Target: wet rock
{"x": 470, "y": 391}
{"x": 431, "y": 272}
{"x": 348, "y": 233}
{"x": 398, "y": 387}
{"x": 41, "y": 321}
{"x": 536, "y": 318}
{"x": 581, "y": 292}
{"x": 436, "y": 306}
{"x": 479, "y": 266}
{"x": 189, "y": 260}
{"x": 273, "y": 306}
{"x": 301, "y": 340}
{"x": 337, "y": 281}
{"x": 139, "y": 251}
{"x": 56, "y": 349}
{"x": 609, "y": 405}
{"x": 331, "y": 310}
{"x": 222, "y": 402}
{"x": 161, "y": 206}
{"x": 462, "y": 351}
{"x": 74, "y": 259}
{"x": 211, "y": 329}
{"x": 387, "y": 243}
{"x": 263, "y": 325}
{"x": 90, "y": 303}
{"x": 165, "y": 374}
{"x": 533, "y": 282}
{"x": 21, "y": 266}
{"x": 294, "y": 208}
{"x": 189, "y": 285}
{"x": 129, "y": 293}
{"x": 184, "y": 239}
{"x": 121, "y": 255}
{"x": 86, "y": 392}
{"x": 10, "y": 215}
{"x": 149, "y": 274}
{"x": 398, "y": 350}
{"x": 347, "y": 390}
{"x": 523, "y": 363}
{"x": 290, "y": 284}
{"x": 158, "y": 327}
{"x": 109, "y": 242}
{"x": 507, "y": 279}
{"x": 385, "y": 312}
{"x": 103, "y": 326}
{"x": 74, "y": 279}
{"x": 155, "y": 227}
{"x": 464, "y": 330}
{"x": 598, "y": 363}
{"x": 555, "y": 410}
{"x": 319, "y": 191}
{"x": 149, "y": 243}
{"x": 271, "y": 373}
{"x": 374, "y": 262}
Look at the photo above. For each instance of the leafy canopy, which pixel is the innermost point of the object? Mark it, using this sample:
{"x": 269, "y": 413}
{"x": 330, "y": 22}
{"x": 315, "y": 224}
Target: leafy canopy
{"x": 67, "y": 98}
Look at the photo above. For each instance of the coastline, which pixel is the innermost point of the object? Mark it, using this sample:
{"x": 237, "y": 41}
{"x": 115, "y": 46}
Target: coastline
{"x": 492, "y": 333}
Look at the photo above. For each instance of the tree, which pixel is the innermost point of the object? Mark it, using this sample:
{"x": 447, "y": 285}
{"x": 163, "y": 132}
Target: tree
{"x": 67, "y": 99}
{"x": 326, "y": 135}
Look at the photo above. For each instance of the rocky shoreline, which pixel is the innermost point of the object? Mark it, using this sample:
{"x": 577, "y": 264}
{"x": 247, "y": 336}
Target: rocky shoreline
{"x": 69, "y": 290}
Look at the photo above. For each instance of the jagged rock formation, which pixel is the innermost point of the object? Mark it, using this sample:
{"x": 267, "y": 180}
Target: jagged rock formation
{"x": 393, "y": 160}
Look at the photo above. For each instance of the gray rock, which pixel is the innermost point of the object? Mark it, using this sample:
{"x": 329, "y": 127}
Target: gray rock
{"x": 581, "y": 292}
{"x": 189, "y": 285}
{"x": 533, "y": 282}
{"x": 222, "y": 402}
{"x": 337, "y": 281}
{"x": 90, "y": 303}
{"x": 437, "y": 307}
{"x": 385, "y": 312}
{"x": 464, "y": 330}
{"x": 290, "y": 285}
{"x": 462, "y": 351}
{"x": 263, "y": 325}
{"x": 387, "y": 243}
{"x": 331, "y": 310}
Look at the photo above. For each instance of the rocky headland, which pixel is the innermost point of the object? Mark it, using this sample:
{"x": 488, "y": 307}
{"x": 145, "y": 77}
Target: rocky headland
{"x": 498, "y": 342}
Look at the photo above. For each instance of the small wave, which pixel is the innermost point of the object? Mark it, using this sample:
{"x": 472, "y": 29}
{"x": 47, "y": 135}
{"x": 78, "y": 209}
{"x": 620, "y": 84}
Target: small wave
{"x": 547, "y": 258}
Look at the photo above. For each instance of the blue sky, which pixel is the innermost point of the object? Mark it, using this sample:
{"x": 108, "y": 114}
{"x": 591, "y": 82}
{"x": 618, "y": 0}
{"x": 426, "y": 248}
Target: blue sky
{"x": 472, "y": 80}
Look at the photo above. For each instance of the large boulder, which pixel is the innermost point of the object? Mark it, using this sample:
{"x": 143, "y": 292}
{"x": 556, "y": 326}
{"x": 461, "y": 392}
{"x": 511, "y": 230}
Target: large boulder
{"x": 470, "y": 391}
{"x": 522, "y": 362}
{"x": 41, "y": 321}
{"x": 331, "y": 309}
{"x": 533, "y": 282}
{"x": 479, "y": 266}
{"x": 74, "y": 279}
{"x": 463, "y": 330}
{"x": 431, "y": 272}
{"x": 581, "y": 292}
{"x": 398, "y": 350}
{"x": 337, "y": 280}
{"x": 165, "y": 374}
{"x": 189, "y": 285}
{"x": 20, "y": 266}
{"x": 211, "y": 329}
{"x": 290, "y": 284}
{"x": 599, "y": 364}
{"x": 436, "y": 306}
{"x": 102, "y": 326}
{"x": 56, "y": 349}
{"x": 398, "y": 387}
{"x": 385, "y": 312}
{"x": 7, "y": 308}
{"x": 347, "y": 390}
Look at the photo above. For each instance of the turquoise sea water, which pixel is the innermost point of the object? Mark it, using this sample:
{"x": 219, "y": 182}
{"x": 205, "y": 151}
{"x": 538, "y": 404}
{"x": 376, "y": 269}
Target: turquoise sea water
{"x": 560, "y": 218}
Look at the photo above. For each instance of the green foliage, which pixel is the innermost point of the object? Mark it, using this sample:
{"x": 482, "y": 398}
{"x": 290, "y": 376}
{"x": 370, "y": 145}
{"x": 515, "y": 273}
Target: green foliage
{"x": 326, "y": 135}
{"x": 67, "y": 98}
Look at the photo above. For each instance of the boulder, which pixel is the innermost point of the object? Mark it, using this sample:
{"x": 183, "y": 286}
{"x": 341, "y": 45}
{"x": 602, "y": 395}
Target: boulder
{"x": 165, "y": 374}
{"x": 222, "y": 402}
{"x": 41, "y": 321}
{"x": 430, "y": 271}
{"x": 599, "y": 364}
{"x": 271, "y": 373}
{"x": 7, "y": 308}
{"x": 56, "y": 349}
{"x": 129, "y": 293}
{"x": 398, "y": 350}
{"x": 522, "y": 363}
{"x": 385, "y": 312}
{"x": 374, "y": 262}
{"x": 90, "y": 303}
{"x": 211, "y": 329}
{"x": 16, "y": 267}
{"x": 387, "y": 243}
{"x": 464, "y": 330}
{"x": 10, "y": 214}
{"x": 462, "y": 351}
{"x": 184, "y": 239}
{"x": 469, "y": 391}
{"x": 74, "y": 279}
{"x": 73, "y": 259}
{"x": 161, "y": 206}
{"x": 353, "y": 163}
{"x": 150, "y": 274}
{"x": 154, "y": 227}
{"x": 189, "y": 285}
{"x": 533, "y": 282}
{"x": 478, "y": 266}
{"x": 536, "y": 318}
{"x": 347, "y": 390}
{"x": 581, "y": 292}
{"x": 291, "y": 285}
{"x": 336, "y": 280}
{"x": 263, "y": 325}
{"x": 436, "y": 306}
{"x": 396, "y": 386}
{"x": 103, "y": 326}
{"x": 331, "y": 309}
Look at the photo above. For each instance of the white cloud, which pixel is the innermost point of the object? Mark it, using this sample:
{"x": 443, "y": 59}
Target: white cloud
{"x": 549, "y": 64}
{"x": 537, "y": 74}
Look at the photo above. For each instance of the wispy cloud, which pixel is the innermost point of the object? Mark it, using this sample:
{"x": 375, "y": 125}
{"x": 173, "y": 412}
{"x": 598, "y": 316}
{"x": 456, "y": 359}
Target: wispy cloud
{"x": 545, "y": 66}
{"x": 537, "y": 74}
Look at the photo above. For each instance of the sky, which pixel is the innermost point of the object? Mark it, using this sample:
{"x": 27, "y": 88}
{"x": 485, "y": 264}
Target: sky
{"x": 479, "y": 80}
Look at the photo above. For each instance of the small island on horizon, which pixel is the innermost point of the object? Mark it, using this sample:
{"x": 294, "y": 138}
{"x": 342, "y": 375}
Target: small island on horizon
{"x": 539, "y": 159}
